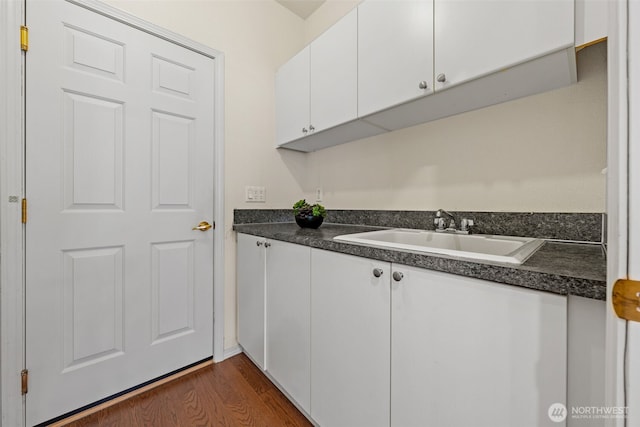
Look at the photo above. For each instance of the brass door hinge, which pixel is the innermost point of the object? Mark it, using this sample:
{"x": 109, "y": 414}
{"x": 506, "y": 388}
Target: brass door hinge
{"x": 24, "y": 381}
{"x": 24, "y": 211}
{"x": 24, "y": 38}
{"x": 626, "y": 299}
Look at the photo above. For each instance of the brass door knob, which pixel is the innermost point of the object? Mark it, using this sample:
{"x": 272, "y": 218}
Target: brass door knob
{"x": 203, "y": 226}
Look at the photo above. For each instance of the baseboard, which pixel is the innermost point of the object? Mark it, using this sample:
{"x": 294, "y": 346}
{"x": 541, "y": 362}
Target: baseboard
{"x": 231, "y": 351}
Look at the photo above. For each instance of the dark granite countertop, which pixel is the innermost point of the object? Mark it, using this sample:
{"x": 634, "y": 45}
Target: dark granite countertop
{"x": 561, "y": 268}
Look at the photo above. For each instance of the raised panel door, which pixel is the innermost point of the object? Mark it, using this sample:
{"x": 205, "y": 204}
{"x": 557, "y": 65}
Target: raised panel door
{"x": 119, "y": 169}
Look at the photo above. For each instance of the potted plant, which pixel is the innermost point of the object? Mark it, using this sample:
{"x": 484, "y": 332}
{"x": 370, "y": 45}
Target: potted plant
{"x": 308, "y": 216}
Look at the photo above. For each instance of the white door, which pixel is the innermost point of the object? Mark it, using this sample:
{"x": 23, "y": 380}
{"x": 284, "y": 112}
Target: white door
{"x": 505, "y": 33}
{"x": 292, "y": 98}
{"x": 119, "y": 169}
{"x": 465, "y": 352}
{"x": 623, "y": 208}
{"x": 288, "y": 328}
{"x": 395, "y": 53}
{"x": 633, "y": 332}
{"x": 350, "y": 338}
{"x": 250, "y": 279}
{"x": 333, "y": 74}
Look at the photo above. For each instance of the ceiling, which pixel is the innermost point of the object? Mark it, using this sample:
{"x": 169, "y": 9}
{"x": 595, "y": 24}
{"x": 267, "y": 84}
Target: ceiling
{"x": 302, "y": 8}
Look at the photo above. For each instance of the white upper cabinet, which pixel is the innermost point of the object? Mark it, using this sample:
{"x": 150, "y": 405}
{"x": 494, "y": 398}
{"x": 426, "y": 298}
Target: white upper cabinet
{"x": 317, "y": 92}
{"x": 475, "y": 38}
{"x": 395, "y": 53}
{"x": 292, "y": 98}
{"x": 392, "y": 64}
{"x": 334, "y": 75}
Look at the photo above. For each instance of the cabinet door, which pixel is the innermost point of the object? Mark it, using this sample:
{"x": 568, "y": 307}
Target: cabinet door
{"x": 288, "y": 306}
{"x": 466, "y": 352}
{"x": 334, "y": 74}
{"x": 395, "y": 53}
{"x": 292, "y": 98}
{"x": 474, "y": 38}
{"x": 250, "y": 265}
{"x": 349, "y": 340}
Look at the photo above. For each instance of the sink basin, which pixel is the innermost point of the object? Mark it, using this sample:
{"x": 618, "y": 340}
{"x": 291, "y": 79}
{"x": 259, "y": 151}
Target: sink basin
{"x": 486, "y": 247}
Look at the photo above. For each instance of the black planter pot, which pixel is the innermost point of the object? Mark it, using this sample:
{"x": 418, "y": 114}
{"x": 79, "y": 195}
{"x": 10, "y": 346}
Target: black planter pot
{"x": 309, "y": 221}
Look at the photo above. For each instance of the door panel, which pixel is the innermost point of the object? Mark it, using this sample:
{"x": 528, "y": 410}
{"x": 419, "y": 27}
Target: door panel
{"x": 119, "y": 169}
{"x": 288, "y": 346}
{"x": 292, "y": 98}
{"x": 403, "y": 30}
{"x": 505, "y": 33}
{"x": 93, "y": 301}
{"x": 250, "y": 279}
{"x": 333, "y": 74}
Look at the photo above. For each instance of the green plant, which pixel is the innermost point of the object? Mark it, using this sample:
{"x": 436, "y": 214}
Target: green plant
{"x": 302, "y": 208}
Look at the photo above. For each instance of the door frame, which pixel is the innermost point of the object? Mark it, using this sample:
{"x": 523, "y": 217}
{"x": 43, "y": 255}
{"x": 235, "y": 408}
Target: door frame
{"x": 12, "y": 160}
{"x": 620, "y": 48}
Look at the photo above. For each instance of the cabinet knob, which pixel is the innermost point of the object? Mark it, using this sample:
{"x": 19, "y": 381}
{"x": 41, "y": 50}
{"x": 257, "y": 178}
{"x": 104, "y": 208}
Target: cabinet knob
{"x": 311, "y": 128}
{"x": 397, "y": 276}
{"x": 259, "y": 243}
{"x": 304, "y": 130}
{"x": 422, "y": 85}
{"x": 377, "y": 272}
{"x": 441, "y": 78}
{"x": 267, "y": 244}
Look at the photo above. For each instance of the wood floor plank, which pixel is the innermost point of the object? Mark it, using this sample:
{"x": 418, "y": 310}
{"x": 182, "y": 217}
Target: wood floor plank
{"x": 226, "y": 394}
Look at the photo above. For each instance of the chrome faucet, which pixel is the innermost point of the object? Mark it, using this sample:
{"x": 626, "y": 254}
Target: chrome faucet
{"x": 441, "y": 224}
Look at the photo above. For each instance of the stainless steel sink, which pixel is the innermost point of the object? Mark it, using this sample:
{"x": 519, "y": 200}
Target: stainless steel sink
{"x": 508, "y": 249}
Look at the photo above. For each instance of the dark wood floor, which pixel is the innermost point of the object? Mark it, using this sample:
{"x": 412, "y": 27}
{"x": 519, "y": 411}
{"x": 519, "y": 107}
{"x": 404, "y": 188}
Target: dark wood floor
{"x": 230, "y": 393}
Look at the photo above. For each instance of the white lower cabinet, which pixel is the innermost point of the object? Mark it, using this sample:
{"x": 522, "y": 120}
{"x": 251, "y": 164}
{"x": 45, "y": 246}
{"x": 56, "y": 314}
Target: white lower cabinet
{"x": 466, "y": 352}
{"x": 350, "y": 327}
{"x": 357, "y": 342}
{"x": 273, "y": 281}
{"x": 288, "y": 319}
{"x": 250, "y": 276}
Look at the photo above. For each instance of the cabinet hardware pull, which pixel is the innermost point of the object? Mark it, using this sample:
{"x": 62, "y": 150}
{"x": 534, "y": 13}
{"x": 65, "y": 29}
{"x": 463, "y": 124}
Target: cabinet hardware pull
{"x": 377, "y": 272}
{"x": 397, "y": 276}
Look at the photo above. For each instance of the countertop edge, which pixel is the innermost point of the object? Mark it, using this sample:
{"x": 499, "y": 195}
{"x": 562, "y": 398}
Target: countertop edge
{"x": 516, "y": 275}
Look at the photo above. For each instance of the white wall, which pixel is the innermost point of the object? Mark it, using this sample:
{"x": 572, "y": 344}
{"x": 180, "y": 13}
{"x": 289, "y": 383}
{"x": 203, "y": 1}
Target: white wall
{"x": 542, "y": 153}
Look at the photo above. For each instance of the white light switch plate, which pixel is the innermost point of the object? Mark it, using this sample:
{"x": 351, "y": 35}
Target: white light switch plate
{"x": 255, "y": 194}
